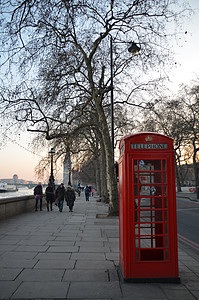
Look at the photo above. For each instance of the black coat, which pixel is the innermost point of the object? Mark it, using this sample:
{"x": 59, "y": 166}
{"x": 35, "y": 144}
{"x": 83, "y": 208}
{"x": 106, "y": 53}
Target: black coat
{"x": 49, "y": 194}
{"x": 70, "y": 197}
{"x": 60, "y": 193}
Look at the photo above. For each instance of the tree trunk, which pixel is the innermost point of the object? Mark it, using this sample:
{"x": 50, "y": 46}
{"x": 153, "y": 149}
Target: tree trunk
{"x": 104, "y": 195}
{"x": 178, "y": 179}
{"x": 111, "y": 176}
{"x": 195, "y": 167}
{"x": 177, "y": 174}
{"x": 98, "y": 181}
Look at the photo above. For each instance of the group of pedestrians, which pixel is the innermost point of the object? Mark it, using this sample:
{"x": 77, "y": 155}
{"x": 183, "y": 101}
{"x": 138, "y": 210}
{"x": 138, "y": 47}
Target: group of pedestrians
{"x": 58, "y": 197}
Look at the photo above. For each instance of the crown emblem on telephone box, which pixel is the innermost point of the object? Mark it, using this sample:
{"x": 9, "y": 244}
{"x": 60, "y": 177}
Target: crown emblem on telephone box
{"x": 148, "y": 139}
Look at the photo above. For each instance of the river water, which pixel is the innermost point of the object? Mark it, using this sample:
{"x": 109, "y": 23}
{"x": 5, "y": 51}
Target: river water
{"x": 19, "y": 193}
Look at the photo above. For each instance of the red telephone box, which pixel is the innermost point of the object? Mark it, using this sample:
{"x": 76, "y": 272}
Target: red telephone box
{"x": 148, "y": 229}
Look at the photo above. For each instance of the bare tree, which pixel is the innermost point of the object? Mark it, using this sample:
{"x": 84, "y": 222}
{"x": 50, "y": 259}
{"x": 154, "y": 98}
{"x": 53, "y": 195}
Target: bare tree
{"x": 72, "y": 38}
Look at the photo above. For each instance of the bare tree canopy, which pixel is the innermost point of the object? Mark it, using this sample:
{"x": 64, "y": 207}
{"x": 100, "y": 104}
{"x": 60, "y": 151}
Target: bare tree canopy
{"x": 61, "y": 49}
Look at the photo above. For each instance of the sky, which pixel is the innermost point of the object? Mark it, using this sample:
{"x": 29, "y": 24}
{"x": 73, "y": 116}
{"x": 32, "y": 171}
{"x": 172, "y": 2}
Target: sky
{"x": 17, "y": 157}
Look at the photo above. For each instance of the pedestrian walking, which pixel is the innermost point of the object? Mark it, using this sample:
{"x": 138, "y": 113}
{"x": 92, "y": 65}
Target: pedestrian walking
{"x": 87, "y": 193}
{"x": 60, "y": 196}
{"x": 38, "y": 193}
{"x": 92, "y": 191}
{"x": 50, "y": 196}
{"x": 70, "y": 198}
{"x": 79, "y": 191}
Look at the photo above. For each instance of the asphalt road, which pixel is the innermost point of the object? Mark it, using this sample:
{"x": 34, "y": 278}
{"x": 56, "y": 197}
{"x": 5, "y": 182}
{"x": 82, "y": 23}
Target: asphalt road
{"x": 188, "y": 223}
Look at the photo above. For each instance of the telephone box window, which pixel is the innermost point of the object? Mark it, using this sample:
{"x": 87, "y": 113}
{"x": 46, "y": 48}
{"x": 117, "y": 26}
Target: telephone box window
{"x": 150, "y": 213}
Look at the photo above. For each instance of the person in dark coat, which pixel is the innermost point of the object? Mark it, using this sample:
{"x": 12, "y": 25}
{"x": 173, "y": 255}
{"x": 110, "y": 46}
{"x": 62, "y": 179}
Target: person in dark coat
{"x": 60, "y": 196}
{"x": 87, "y": 193}
{"x": 38, "y": 193}
{"x": 70, "y": 198}
{"x": 49, "y": 196}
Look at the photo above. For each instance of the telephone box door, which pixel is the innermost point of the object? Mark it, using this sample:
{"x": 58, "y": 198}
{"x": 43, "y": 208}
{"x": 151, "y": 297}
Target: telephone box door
{"x": 150, "y": 188}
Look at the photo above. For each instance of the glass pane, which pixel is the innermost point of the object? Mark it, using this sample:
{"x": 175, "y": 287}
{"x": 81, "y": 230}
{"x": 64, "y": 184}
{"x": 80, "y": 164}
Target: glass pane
{"x": 145, "y": 203}
{"x": 166, "y": 254}
{"x": 165, "y": 202}
{"x": 145, "y": 190}
{"x": 150, "y": 165}
{"x": 151, "y": 216}
{"x": 150, "y": 178}
{"x": 164, "y": 165}
{"x": 165, "y": 190}
{"x": 135, "y": 165}
{"x": 137, "y": 255}
{"x": 151, "y": 242}
{"x": 164, "y": 178}
{"x": 147, "y": 229}
{"x": 148, "y": 190}
{"x": 136, "y": 229}
{"x": 166, "y": 216}
{"x": 158, "y": 216}
{"x": 166, "y": 228}
{"x": 136, "y": 242}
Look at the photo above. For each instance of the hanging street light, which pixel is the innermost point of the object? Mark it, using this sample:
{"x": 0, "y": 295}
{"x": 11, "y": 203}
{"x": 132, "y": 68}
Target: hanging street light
{"x": 133, "y": 49}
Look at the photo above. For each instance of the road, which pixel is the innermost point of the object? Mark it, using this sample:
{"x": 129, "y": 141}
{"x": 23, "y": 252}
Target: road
{"x": 188, "y": 223}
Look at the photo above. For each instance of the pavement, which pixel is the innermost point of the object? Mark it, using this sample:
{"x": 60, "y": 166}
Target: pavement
{"x": 53, "y": 255}
{"x": 190, "y": 196}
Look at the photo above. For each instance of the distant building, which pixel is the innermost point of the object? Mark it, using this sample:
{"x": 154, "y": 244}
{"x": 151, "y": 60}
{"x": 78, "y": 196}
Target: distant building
{"x": 15, "y": 179}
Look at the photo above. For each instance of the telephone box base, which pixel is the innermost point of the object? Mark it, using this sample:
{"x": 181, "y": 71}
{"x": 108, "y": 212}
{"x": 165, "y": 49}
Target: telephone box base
{"x": 147, "y": 280}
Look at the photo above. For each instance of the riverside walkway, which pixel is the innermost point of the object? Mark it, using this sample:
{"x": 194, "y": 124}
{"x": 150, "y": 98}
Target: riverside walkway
{"x": 53, "y": 255}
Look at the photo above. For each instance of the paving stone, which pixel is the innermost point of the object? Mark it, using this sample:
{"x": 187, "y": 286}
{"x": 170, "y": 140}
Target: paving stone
{"x": 112, "y": 256}
{"x": 179, "y": 294}
{"x": 55, "y": 264}
{"x": 9, "y": 274}
{"x": 62, "y": 249}
{"x": 7, "y": 288}
{"x": 94, "y": 290}
{"x": 32, "y": 248}
{"x": 86, "y": 275}
{"x": 88, "y": 256}
{"x": 53, "y": 256}
{"x": 83, "y": 249}
{"x": 38, "y": 290}
{"x": 60, "y": 243}
{"x": 18, "y": 255}
{"x": 17, "y": 263}
{"x": 93, "y": 264}
{"x": 89, "y": 244}
{"x": 143, "y": 291}
{"x": 41, "y": 275}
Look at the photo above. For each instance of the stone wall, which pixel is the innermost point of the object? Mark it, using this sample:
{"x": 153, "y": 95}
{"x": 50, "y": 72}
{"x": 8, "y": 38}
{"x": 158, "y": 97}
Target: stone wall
{"x": 14, "y": 206}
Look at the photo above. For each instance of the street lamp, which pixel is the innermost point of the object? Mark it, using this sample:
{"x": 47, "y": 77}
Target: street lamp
{"x": 51, "y": 179}
{"x": 69, "y": 175}
{"x": 134, "y": 49}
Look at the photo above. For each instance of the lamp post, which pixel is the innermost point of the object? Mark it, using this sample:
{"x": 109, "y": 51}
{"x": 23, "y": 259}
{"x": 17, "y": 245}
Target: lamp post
{"x": 51, "y": 179}
{"x": 133, "y": 49}
{"x": 69, "y": 175}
